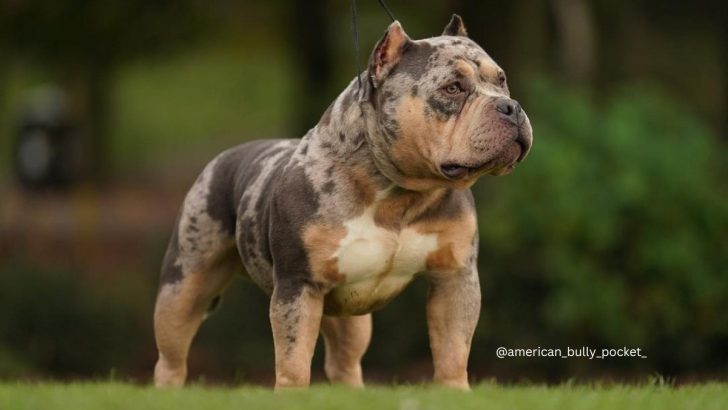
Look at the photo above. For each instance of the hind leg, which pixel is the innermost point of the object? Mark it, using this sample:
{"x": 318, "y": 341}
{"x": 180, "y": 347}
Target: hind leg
{"x": 346, "y": 340}
{"x": 179, "y": 311}
{"x": 201, "y": 260}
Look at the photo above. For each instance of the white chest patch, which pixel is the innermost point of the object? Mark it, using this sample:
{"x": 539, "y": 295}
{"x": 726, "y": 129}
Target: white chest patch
{"x": 376, "y": 262}
{"x": 368, "y": 250}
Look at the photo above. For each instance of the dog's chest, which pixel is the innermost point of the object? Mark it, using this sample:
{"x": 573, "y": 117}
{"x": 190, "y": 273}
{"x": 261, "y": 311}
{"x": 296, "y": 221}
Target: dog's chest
{"x": 377, "y": 263}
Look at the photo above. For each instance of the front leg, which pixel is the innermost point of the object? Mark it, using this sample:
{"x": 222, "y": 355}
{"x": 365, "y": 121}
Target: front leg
{"x": 453, "y": 308}
{"x": 295, "y": 314}
{"x": 346, "y": 339}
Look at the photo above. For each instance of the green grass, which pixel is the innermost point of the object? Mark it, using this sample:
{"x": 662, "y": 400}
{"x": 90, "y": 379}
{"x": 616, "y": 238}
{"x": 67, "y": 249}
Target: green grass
{"x": 486, "y": 396}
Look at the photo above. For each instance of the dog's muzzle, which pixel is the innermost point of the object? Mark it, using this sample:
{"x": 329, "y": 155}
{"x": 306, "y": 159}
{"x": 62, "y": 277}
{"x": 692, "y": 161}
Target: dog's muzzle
{"x": 510, "y": 111}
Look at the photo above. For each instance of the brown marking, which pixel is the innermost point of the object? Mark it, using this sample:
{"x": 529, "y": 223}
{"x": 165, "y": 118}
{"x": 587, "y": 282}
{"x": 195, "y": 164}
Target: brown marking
{"x": 418, "y": 145}
{"x": 321, "y": 242}
{"x": 332, "y": 304}
{"x": 453, "y": 307}
{"x": 427, "y": 141}
{"x": 454, "y": 243}
{"x": 390, "y": 211}
{"x": 453, "y": 303}
{"x": 464, "y": 68}
{"x": 179, "y": 311}
{"x": 441, "y": 259}
{"x": 402, "y": 207}
{"x": 330, "y": 271}
{"x": 475, "y": 138}
{"x": 364, "y": 188}
{"x": 488, "y": 70}
{"x": 410, "y": 150}
{"x": 346, "y": 339}
{"x": 460, "y": 145}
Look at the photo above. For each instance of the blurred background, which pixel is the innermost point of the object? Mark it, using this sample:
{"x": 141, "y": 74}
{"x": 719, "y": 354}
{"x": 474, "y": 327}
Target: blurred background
{"x": 613, "y": 233}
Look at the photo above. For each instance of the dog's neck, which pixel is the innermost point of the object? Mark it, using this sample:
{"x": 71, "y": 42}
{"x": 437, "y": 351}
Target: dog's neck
{"x": 343, "y": 133}
{"x": 343, "y": 136}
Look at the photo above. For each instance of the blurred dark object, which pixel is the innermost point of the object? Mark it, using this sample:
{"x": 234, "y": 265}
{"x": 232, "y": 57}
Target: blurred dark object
{"x": 309, "y": 30}
{"x": 81, "y": 43}
{"x": 47, "y": 143}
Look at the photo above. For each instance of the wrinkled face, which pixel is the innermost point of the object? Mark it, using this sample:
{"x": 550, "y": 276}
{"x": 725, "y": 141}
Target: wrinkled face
{"x": 446, "y": 115}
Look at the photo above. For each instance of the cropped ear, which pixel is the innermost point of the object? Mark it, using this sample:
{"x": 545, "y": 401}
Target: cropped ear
{"x": 455, "y": 27}
{"x": 387, "y": 53}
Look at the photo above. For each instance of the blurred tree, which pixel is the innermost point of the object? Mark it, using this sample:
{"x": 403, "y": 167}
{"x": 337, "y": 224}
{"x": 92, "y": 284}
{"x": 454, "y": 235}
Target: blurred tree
{"x": 308, "y": 28}
{"x": 518, "y": 35}
{"x": 723, "y": 12}
{"x": 599, "y": 44}
{"x": 82, "y": 41}
{"x": 576, "y": 38}
{"x": 490, "y": 29}
{"x": 5, "y": 41}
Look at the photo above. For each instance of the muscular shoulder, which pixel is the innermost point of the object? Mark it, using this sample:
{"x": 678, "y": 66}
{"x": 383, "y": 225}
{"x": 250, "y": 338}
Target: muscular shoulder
{"x": 454, "y": 204}
{"x": 454, "y": 221}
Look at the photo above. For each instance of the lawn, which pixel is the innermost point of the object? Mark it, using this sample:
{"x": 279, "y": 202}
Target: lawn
{"x": 81, "y": 396}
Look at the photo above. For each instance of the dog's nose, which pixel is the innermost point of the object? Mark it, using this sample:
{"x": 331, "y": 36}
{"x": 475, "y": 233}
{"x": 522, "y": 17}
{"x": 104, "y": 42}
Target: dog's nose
{"x": 509, "y": 109}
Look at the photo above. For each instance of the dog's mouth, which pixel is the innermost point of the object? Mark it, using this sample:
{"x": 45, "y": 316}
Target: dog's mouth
{"x": 524, "y": 143}
{"x": 500, "y": 165}
{"x": 459, "y": 171}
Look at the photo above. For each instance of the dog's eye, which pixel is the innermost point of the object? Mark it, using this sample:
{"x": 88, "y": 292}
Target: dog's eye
{"x": 501, "y": 78}
{"x": 453, "y": 88}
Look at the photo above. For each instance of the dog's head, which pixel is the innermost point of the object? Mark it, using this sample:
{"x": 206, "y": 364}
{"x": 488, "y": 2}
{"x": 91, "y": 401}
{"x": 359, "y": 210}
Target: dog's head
{"x": 439, "y": 111}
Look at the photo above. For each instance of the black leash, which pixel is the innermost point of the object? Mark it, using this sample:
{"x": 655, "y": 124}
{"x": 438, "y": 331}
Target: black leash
{"x": 355, "y": 34}
{"x": 389, "y": 13}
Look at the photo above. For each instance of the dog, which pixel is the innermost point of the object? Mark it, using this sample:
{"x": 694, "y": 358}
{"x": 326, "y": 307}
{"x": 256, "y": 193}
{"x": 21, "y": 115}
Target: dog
{"x": 336, "y": 224}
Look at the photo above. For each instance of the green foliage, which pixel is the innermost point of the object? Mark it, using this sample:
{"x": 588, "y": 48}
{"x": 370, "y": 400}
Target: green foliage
{"x": 613, "y": 232}
{"x": 52, "y": 323}
{"x": 199, "y": 102}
